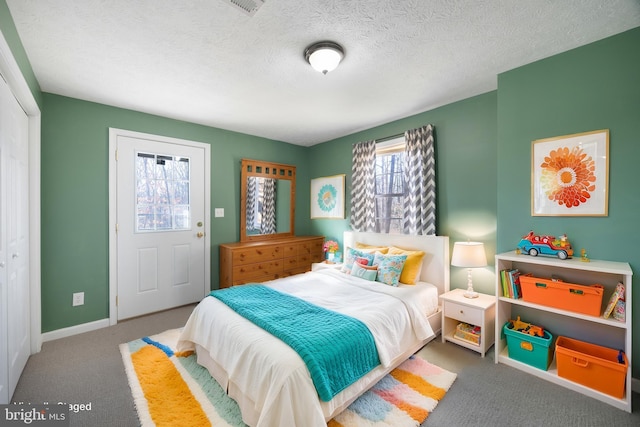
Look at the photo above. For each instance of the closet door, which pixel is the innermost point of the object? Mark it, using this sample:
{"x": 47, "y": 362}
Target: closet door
{"x": 14, "y": 242}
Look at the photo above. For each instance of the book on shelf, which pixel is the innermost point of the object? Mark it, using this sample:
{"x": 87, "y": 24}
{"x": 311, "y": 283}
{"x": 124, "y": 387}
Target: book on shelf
{"x": 504, "y": 283}
{"x": 510, "y": 280}
{"x": 515, "y": 283}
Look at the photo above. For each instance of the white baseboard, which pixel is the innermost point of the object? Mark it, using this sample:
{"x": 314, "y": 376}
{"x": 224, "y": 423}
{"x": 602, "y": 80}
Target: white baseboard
{"x": 75, "y": 330}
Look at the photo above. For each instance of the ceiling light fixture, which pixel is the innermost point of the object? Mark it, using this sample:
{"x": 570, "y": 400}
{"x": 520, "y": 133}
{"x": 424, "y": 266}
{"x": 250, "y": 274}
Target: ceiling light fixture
{"x": 324, "y": 56}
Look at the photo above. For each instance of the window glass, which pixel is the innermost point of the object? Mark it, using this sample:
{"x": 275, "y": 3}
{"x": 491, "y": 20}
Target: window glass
{"x": 162, "y": 193}
{"x": 389, "y": 186}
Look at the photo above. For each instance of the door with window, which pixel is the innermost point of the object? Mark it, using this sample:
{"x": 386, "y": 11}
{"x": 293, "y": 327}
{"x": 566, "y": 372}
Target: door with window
{"x": 161, "y": 218}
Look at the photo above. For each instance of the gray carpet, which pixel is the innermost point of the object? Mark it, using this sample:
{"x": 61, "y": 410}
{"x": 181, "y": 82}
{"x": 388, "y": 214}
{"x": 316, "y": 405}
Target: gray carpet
{"x": 88, "y": 368}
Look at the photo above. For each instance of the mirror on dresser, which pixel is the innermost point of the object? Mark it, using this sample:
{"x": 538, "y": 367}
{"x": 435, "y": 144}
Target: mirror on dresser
{"x": 267, "y": 200}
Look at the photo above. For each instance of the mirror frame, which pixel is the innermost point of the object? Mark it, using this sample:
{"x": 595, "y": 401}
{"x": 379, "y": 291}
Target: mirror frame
{"x": 259, "y": 168}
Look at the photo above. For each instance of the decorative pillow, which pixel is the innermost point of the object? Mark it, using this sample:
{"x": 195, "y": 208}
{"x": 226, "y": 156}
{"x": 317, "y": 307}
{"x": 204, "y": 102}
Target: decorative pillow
{"x": 389, "y": 268}
{"x": 363, "y": 261}
{"x": 371, "y": 248}
{"x": 367, "y": 272}
{"x": 412, "y": 267}
{"x": 350, "y": 257}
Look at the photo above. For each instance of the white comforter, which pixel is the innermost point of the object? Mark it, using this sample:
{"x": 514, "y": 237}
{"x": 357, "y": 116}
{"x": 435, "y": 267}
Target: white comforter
{"x": 268, "y": 379}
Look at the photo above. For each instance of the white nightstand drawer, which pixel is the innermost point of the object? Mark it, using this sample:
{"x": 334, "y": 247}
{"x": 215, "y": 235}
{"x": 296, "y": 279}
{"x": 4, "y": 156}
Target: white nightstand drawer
{"x": 463, "y": 313}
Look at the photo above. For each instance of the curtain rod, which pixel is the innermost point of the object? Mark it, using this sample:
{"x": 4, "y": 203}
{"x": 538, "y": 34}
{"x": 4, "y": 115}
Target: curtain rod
{"x": 388, "y": 138}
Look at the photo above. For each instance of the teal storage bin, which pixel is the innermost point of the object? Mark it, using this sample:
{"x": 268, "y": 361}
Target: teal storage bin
{"x": 530, "y": 349}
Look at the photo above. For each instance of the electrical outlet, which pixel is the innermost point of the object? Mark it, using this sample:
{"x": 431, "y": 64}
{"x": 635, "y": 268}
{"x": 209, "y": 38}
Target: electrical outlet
{"x": 218, "y": 212}
{"x": 78, "y": 298}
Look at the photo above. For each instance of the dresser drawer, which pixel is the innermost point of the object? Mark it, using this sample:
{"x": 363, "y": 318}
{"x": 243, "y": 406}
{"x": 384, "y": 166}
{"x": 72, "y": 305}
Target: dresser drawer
{"x": 299, "y": 264}
{"x": 257, "y": 254}
{"x": 257, "y": 272}
{"x": 290, "y": 249}
{"x": 463, "y": 313}
{"x": 290, "y": 263}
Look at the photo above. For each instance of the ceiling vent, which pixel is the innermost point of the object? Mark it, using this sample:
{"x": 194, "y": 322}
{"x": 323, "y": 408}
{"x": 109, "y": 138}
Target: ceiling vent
{"x": 250, "y": 7}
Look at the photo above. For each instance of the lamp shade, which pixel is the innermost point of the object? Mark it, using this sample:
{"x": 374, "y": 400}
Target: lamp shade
{"x": 468, "y": 254}
{"x": 324, "y": 56}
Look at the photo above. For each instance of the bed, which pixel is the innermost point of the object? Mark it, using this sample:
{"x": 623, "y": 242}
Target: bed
{"x": 270, "y": 381}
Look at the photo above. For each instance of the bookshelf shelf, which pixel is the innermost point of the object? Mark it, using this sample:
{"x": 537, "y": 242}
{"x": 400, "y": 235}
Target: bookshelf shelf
{"x": 597, "y": 330}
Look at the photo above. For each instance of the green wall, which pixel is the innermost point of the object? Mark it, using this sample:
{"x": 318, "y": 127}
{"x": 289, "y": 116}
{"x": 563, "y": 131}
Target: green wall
{"x": 593, "y": 87}
{"x": 75, "y": 204}
{"x": 466, "y": 173}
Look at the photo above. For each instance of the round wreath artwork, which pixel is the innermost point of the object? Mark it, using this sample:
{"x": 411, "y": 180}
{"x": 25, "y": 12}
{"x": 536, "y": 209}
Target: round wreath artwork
{"x": 327, "y": 197}
{"x": 568, "y": 176}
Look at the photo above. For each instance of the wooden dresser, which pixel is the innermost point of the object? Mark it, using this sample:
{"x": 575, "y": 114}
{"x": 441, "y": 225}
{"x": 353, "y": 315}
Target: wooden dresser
{"x": 255, "y": 262}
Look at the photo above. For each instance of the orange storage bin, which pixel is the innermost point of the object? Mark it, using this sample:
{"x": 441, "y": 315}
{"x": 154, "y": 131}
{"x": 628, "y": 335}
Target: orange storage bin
{"x": 566, "y": 296}
{"x": 592, "y": 365}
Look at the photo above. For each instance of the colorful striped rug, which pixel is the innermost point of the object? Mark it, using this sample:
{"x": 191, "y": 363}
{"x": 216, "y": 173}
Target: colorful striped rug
{"x": 171, "y": 389}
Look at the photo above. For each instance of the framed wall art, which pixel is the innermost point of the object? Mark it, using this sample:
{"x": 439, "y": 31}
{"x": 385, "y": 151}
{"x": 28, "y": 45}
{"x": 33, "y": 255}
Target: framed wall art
{"x": 327, "y": 197}
{"x": 570, "y": 175}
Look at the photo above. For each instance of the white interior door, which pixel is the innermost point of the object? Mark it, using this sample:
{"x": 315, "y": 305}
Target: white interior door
{"x": 14, "y": 242}
{"x": 161, "y": 223}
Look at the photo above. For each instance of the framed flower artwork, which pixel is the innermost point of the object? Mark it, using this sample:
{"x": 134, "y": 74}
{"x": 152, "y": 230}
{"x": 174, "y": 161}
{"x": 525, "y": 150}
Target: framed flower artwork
{"x": 327, "y": 197}
{"x": 570, "y": 175}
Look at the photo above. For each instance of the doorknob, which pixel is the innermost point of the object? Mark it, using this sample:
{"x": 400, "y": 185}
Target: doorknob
{"x": 200, "y": 234}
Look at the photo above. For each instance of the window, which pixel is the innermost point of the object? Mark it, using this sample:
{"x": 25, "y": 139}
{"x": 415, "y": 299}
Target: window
{"x": 162, "y": 193}
{"x": 390, "y": 187}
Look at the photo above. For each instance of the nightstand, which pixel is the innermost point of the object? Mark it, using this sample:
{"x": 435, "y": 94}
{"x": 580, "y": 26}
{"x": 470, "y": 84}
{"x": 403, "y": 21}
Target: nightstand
{"x": 479, "y": 311}
{"x": 324, "y": 265}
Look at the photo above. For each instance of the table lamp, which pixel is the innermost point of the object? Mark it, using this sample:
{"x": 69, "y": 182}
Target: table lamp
{"x": 469, "y": 255}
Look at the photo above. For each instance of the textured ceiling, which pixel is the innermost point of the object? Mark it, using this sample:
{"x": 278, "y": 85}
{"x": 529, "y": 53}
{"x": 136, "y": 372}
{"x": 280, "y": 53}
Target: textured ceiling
{"x": 207, "y": 62}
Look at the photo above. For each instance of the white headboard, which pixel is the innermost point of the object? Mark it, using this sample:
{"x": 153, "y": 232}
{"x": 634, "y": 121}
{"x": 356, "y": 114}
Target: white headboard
{"x": 435, "y": 265}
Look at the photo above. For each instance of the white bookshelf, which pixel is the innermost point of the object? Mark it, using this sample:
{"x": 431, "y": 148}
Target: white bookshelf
{"x": 597, "y": 330}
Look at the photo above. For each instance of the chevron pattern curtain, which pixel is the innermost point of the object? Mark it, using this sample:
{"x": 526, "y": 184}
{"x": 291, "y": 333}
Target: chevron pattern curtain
{"x": 363, "y": 186}
{"x": 269, "y": 206}
{"x": 251, "y": 202}
{"x": 420, "y": 179}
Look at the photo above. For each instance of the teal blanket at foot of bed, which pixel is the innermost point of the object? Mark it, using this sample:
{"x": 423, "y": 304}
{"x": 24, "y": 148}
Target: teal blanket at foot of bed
{"x": 337, "y": 349}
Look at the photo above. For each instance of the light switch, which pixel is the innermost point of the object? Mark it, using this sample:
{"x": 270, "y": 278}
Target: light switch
{"x": 219, "y": 212}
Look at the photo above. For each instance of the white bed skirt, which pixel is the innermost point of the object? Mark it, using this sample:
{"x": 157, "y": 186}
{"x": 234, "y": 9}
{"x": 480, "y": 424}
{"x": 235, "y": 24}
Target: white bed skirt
{"x": 250, "y": 414}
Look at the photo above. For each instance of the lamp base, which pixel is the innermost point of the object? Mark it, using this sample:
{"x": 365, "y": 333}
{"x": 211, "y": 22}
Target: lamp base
{"x": 470, "y": 294}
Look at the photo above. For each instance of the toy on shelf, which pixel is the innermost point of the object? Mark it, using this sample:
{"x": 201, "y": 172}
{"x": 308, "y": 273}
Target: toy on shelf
{"x": 583, "y": 255}
{"x": 534, "y": 244}
{"x": 526, "y": 328}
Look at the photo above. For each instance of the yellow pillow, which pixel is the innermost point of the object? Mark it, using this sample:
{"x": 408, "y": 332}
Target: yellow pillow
{"x": 371, "y": 248}
{"x": 412, "y": 266}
